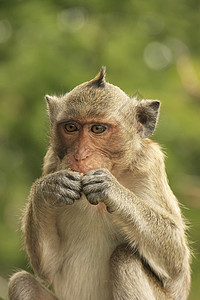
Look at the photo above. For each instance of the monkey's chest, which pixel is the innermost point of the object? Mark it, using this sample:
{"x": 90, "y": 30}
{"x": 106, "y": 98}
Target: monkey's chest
{"x": 89, "y": 240}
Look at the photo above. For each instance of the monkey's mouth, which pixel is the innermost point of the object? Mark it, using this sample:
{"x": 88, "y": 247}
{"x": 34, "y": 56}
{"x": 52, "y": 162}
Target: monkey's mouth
{"x": 71, "y": 170}
{"x": 82, "y": 167}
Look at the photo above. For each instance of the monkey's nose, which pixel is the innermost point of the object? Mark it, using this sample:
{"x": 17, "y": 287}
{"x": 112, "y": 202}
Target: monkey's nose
{"x": 81, "y": 156}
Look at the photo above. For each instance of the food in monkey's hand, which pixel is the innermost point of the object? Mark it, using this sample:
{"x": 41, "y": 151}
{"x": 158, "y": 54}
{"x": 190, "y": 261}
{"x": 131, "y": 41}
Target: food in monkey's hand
{"x": 70, "y": 170}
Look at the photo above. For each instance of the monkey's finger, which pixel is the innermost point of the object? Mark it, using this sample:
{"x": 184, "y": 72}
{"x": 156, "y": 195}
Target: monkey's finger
{"x": 91, "y": 180}
{"x": 57, "y": 198}
{"x": 76, "y": 176}
{"x": 67, "y": 201}
{"x": 68, "y": 182}
{"x": 91, "y": 188}
{"x": 98, "y": 172}
{"x": 73, "y": 185}
{"x": 71, "y": 194}
{"x": 95, "y": 178}
{"x": 93, "y": 198}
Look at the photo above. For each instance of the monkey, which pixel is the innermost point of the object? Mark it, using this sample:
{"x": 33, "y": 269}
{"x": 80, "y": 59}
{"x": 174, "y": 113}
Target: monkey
{"x": 102, "y": 222}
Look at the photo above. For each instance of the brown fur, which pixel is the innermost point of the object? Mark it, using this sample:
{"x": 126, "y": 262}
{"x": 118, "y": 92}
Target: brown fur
{"x": 115, "y": 233}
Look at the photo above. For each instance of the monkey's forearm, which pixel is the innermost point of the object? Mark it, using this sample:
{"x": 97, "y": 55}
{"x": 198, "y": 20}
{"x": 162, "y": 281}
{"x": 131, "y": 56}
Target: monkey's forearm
{"x": 151, "y": 229}
{"x": 41, "y": 238}
{"x": 48, "y": 195}
{"x": 155, "y": 233}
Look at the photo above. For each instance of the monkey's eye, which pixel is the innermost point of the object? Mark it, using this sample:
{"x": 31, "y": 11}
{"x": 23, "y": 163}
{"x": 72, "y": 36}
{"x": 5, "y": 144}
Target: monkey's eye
{"x": 70, "y": 127}
{"x": 98, "y": 128}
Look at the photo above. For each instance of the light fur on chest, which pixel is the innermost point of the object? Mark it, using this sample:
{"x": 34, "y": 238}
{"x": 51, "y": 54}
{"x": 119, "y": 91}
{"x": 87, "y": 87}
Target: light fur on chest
{"x": 89, "y": 238}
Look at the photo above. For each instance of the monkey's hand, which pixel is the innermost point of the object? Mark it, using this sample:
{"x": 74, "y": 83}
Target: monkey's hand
{"x": 59, "y": 188}
{"x": 99, "y": 186}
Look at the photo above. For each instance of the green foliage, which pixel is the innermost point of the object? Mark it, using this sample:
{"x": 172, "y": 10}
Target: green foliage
{"x": 49, "y": 47}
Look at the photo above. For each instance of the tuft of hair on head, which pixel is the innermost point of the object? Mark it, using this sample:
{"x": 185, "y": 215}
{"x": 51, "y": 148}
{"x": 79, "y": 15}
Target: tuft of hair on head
{"x": 99, "y": 80}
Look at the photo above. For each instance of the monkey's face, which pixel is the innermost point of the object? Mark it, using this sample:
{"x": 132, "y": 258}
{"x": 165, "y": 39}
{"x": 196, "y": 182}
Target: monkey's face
{"x": 85, "y": 145}
{"x": 97, "y": 125}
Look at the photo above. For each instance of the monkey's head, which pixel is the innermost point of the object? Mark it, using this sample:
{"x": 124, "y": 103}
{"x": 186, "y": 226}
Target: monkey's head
{"x": 96, "y": 125}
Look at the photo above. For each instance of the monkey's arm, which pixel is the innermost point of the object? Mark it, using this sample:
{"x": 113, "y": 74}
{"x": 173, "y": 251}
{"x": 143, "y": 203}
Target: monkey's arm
{"x": 49, "y": 195}
{"x": 156, "y": 233}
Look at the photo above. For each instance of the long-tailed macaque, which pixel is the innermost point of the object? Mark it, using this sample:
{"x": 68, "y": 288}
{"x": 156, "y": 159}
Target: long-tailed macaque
{"x": 102, "y": 222}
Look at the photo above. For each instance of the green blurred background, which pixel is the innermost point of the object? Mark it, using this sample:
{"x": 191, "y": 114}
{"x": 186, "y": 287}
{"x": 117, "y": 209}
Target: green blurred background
{"x": 151, "y": 48}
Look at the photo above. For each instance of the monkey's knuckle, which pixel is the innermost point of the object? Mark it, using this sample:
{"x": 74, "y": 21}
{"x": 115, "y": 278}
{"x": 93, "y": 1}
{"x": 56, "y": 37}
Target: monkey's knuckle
{"x": 73, "y": 176}
{"x": 65, "y": 198}
{"x": 93, "y": 199}
{"x": 90, "y": 173}
{"x": 78, "y": 187}
{"x": 77, "y": 196}
{"x": 67, "y": 201}
{"x": 86, "y": 190}
{"x": 71, "y": 184}
{"x": 73, "y": 195}
{"x": 59, "y": 173}
{"x": 86, "y": 181}
{"x": 104, "y": 170}
{"x": 89, "y": 189}
{"x": 105, "y": 186}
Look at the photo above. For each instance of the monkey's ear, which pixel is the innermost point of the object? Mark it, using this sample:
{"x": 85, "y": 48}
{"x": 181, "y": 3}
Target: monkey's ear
{"x": 99, "y": 80}
{"x": 147, "y": 116}
{"x": 51, "y": 105}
